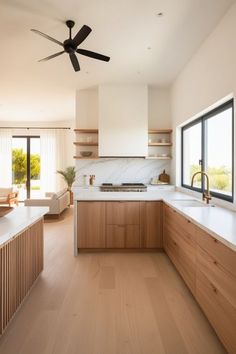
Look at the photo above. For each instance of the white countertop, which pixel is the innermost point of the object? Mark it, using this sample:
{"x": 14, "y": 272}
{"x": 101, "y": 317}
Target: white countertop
{"x": 217, "y": 221}
{"x": 19, "y": 219}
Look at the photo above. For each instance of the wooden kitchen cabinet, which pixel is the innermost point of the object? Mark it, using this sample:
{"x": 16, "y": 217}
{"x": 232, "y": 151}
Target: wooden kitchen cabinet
{"x": 91, "y": 227}
{"x": 216, "y": 286}
{"x": 180, "y": 244}
{"x": 123, "y": 224}
{"x": 115, "y": 236}
{"x": 123, "y": 213}
{"x": 151, "y": 224}
{"x": 208, "y": 268}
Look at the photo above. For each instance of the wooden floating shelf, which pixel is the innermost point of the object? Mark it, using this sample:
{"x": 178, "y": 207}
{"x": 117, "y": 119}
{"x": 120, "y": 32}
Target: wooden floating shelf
{"x": 86, "y": 158}
{"x": 85, "y": 144}
{"x": 158, "y": 158}
{"x": 86, "y": 131}
{"x": 160, "y": 131}
{"x": 160, "y": 144}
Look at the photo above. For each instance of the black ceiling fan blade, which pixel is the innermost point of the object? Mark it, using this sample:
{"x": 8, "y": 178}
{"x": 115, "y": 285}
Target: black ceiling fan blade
{"x": 93, "y": 55}
{"x": 74, "y": 61}
{"x": 52, "y": 56}
{"x": 46, "y": 36}
{"x": 81, "y": 35}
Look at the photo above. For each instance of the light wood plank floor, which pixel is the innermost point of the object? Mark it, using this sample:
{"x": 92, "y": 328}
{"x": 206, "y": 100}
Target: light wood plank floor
{"x": 113, "y": 303}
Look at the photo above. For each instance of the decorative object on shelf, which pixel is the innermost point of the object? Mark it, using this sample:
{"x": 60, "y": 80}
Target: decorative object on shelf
{"x": 69, "y": 177}
{"x": 86, "y": 180}
{"x": 87, "y": 138}
{"x": 159, "y": 144}
{"x": 86, "y": 153}
{"x": 91, "y": 180}
{"x": 70, "y": 46}
{"x": 164, "y": 177}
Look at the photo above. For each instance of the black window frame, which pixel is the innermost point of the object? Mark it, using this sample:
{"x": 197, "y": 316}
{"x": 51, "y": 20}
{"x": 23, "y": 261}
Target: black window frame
{"x": 202, "y": 119}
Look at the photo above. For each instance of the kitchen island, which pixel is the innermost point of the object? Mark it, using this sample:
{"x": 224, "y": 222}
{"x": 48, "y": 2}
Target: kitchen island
{"x": 21, "y": 257}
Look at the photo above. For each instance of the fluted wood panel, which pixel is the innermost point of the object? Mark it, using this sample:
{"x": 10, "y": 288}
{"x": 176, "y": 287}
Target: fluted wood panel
{"x": 21, "y": 261}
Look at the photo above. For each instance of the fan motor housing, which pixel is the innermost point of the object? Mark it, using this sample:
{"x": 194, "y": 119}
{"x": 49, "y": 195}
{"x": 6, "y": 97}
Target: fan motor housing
{"x": 69, "y": 46}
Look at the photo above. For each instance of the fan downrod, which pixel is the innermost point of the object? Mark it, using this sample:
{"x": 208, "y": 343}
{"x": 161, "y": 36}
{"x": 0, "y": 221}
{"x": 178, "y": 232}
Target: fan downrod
{"x": 70, "y": 24}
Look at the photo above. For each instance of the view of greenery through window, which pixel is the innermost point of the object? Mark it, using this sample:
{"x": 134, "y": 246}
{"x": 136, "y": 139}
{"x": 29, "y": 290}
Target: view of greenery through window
{"x": 19, "y": 167}
{"x": 220, "y": 179}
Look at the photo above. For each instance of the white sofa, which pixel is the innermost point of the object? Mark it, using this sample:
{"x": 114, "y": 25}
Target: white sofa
{"x": 57, "y": 202}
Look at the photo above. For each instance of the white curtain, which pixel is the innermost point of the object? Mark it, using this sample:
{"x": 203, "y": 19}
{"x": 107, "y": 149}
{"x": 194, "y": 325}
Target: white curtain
{"x": 52, "y": 142}
{"x": 5, "y": 158}
{"x": 60, "y": 157}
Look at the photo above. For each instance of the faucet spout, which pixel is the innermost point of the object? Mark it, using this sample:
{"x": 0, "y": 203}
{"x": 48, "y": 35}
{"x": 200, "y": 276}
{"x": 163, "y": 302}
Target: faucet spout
{"x": 205, "y": 195}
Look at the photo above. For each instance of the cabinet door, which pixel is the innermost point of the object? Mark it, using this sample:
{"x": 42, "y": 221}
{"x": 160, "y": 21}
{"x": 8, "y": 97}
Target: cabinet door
{"x": 91, "y": 225}
{"x": 122, "y": 213}
{"x": 115, "y": 236}
{"x": 115, "y": 213}
{"x": 216, "y": 287}
{"x": 151, "y": 215}
{"x": 132, "y": 236}
{"x": 180, "y": 244}
{"x": 218, "y": 309}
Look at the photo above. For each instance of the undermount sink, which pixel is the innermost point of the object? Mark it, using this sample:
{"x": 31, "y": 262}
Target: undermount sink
{"x": 189, "y": 203}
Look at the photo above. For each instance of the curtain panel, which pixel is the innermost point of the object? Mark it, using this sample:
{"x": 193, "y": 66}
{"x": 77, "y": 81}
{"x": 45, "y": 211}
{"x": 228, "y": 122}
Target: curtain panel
{"x": 5, "y": 158}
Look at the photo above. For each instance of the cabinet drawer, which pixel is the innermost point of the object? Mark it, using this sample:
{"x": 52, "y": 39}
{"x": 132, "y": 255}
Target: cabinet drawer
{"x": 132, "y": 237}
{"x": 221, "y": 253}
{"x": 122, "y": 236}
{"x": 115, "y": 236}
{"x": 182, "y": 226}
{"x": 122, "y": 213}
{"x": 219, "y": 311}
{"x": 217, "y": 275}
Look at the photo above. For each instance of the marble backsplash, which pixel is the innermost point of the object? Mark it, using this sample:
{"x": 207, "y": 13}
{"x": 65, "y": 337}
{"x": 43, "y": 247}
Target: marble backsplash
{"x": 120, "y": 170}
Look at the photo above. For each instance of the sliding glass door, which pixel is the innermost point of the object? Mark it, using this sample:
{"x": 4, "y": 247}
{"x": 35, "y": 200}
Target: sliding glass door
{"x": 26, "y": 166}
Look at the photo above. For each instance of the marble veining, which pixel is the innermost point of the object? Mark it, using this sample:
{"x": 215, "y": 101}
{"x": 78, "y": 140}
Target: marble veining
{"x": 118, "y": 170}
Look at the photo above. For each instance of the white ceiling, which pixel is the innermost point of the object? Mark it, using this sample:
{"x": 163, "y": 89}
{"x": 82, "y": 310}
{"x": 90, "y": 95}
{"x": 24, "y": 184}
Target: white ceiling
{"x": 122, "y": 29}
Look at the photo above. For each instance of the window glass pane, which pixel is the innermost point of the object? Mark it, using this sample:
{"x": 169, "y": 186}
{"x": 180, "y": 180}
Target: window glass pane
{"x": 218, "y": 151}
{"x": 192, "y": 154}
{"x": 19, "y": 166}
{"x": 35, "y": 185}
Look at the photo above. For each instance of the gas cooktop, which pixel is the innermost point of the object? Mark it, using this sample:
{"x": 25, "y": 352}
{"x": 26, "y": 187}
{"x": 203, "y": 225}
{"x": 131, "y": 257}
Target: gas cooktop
{"x": 123, "y": 187}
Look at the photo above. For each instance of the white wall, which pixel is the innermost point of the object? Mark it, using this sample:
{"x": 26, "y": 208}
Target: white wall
{"x": 207, "y": 79}
{"x": 69, "y": 161}
{"x": 159, "y": 108}
{"x": 123, "y": 120}
{"x": 87, "y": 108}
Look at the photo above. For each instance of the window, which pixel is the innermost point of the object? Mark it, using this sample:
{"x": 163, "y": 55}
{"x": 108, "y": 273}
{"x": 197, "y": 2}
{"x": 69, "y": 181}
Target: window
{"x": 207, "y": 145}
{"x": 26, "y": 166}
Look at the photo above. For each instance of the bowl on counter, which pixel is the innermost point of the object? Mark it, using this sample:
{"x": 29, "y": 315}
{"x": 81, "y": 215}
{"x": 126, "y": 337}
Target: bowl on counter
{"x": 86, "y": 153}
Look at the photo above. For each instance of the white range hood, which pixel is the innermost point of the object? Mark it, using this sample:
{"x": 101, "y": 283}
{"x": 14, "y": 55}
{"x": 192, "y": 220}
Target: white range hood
{"x": 123, "y": 120}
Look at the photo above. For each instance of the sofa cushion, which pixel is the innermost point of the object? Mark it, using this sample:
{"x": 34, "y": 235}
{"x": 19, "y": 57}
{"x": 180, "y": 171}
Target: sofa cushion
{"x": 5, "y": 191}
{"x": 59, "y": 194}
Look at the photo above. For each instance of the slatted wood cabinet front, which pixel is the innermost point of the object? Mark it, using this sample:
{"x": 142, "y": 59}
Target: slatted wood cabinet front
{"x": 21, "y": 261}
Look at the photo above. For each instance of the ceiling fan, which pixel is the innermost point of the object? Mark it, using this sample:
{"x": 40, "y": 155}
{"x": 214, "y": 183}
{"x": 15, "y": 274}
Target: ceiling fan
{"x": 70, "y": 45}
